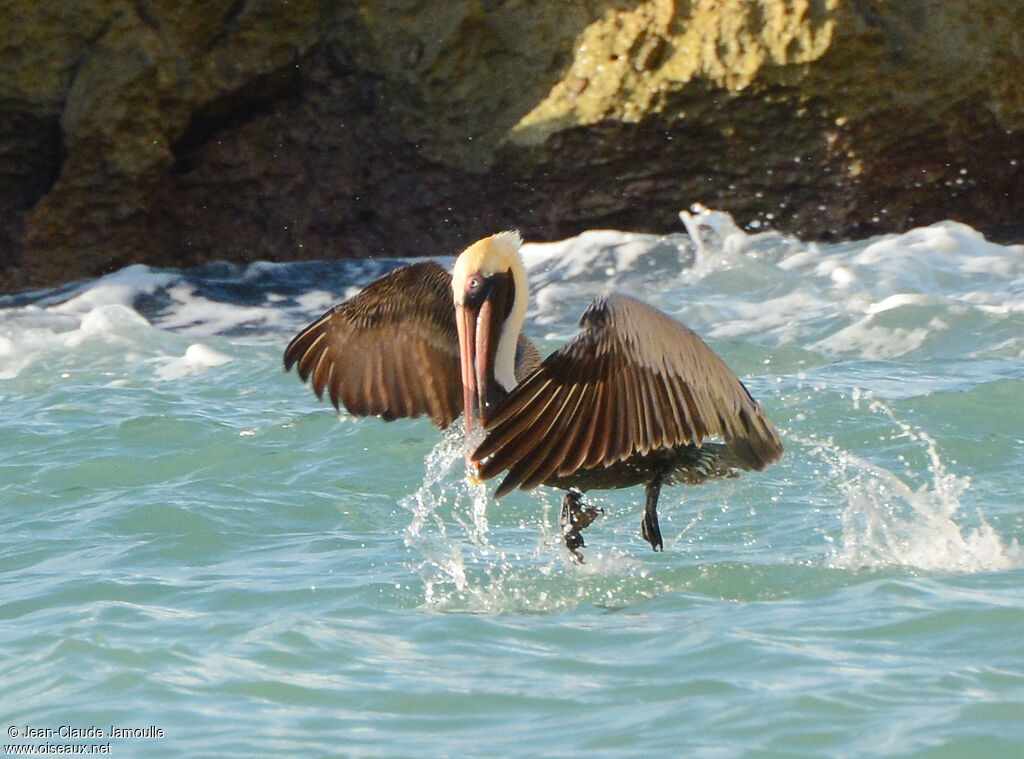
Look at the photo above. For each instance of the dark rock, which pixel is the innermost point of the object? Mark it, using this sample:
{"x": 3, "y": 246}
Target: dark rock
{"x": 173, "y": 132}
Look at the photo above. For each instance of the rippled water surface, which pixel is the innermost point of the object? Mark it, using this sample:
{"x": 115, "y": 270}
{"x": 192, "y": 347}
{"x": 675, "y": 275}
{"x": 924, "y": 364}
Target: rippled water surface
{"x": 194, "y": 546}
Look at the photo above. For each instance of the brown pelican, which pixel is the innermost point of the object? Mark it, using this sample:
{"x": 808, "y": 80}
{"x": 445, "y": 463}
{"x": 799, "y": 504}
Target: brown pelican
{"x": 635, "y": 398}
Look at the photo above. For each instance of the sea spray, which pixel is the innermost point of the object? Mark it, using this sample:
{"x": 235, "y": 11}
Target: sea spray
{"x": 449, "y": 537}
{"x": 442, "y": 560}
{"x": 519, "y": 564}
{"x": 885, "y": 522}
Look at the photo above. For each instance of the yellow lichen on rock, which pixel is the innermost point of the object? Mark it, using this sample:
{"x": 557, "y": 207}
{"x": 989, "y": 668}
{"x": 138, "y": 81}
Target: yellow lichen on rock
{"x": 626, "y": 62}
{"x": 174, "y": 132}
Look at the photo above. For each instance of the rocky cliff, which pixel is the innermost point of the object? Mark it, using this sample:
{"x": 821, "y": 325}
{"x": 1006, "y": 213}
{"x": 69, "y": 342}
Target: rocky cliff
{"x": 173, "y": 132}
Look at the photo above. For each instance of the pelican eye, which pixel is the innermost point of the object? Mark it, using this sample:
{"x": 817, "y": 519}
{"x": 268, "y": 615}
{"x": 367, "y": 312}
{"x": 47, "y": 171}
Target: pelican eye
{"x": 476, "y": 290}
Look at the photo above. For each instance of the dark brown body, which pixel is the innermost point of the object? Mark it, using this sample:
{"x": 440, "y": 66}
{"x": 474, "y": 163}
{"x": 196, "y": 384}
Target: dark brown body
{"x": 681, "y": 465}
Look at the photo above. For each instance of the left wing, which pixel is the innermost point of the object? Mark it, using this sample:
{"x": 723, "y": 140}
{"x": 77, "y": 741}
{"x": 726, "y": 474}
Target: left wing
{"x": 631, "y": 381}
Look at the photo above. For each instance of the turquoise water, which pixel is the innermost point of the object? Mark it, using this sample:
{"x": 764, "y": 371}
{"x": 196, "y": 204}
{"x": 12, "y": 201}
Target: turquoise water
{"x": 193, "y": 545}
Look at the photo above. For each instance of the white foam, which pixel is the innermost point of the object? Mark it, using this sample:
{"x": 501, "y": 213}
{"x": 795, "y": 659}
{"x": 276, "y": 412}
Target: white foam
{"x": 564, "y": 276}
{"x": 579, "y": 256}
{"x": 921, "y": 281}
{"x": 940, "y": 259}
{"x": 30, "y": 334}
{"x": 199, "y": 316}
{"x": 781, "y": 315}
{"x": 898, "y": 301}
{"x": 121, "y": 288}
{"x": 316, "y": 301}
{"x": 770, "y": 284}
{"x": 11, "y": 363}
{"x": 197, "y": 359}
{"x": 873, "y": 342}
{"x": 113, "y": 320}
{"x": 885, "y": 298}
{"x": 963, "y": 244}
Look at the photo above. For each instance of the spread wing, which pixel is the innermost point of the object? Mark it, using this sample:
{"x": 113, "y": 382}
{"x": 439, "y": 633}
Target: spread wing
{"x": 391, "y": 351}
{"x": 631, "y": 381}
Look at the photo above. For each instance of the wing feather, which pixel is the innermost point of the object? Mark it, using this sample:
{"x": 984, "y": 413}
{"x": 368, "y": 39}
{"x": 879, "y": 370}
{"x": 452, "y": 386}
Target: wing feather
{"x": 391, "y": 351}
{"x": 631, "y": 381}
{"x": 625, "y": 428}
{"x": 596, "y": 439}
{"x": 533, "y": 438}
{"x": 547, "y": 453}
{"x": 580, "y": 432}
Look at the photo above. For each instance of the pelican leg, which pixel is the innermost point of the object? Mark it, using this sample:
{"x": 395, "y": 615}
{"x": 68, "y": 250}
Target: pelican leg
{"x": 576, "y": 515}
{"x": 649, "y": 528}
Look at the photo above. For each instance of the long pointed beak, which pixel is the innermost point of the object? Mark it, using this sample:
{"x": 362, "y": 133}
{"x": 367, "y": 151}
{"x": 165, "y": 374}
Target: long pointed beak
{"x": 476, "y": 355}
{"x": 465, "y": 323}
{"x": 483, "y": 359}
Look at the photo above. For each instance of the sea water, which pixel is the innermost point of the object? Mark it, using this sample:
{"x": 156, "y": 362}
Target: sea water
{"x": 199, "y": 559}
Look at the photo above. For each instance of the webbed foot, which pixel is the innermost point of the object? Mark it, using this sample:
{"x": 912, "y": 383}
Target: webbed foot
{"x": 576, "y": 516}
{"x": 574, "y": 542}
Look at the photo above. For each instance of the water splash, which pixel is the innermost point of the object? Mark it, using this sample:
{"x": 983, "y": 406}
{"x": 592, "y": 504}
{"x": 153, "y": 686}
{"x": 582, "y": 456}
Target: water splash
{"x": 721, "y": 244}
{"x": 888, "y": 523}
{"x": 443, "y": 559}
{"x": 449, "y": 534}
{"x": 468, "y": 565}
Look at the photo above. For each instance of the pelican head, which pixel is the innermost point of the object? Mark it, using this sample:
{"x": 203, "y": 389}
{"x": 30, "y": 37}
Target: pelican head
{"x": 490, "y": 292}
